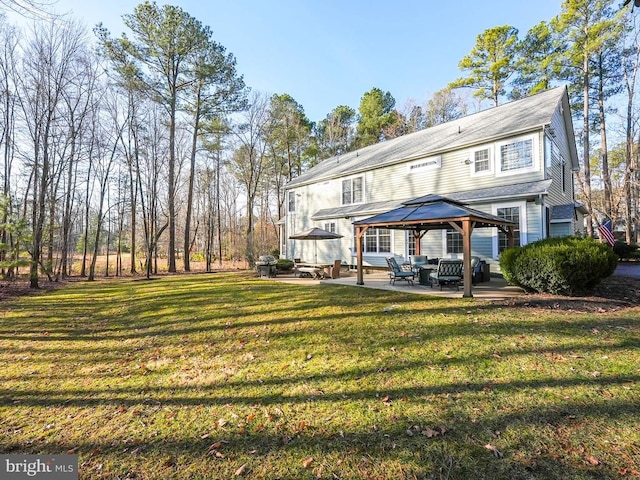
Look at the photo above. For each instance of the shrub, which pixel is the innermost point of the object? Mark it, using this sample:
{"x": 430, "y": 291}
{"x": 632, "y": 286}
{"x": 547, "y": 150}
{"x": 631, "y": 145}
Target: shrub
{"x": 626, "y": 251}
{"x": 560, "y": 266}
{"x": 284, "y": 264}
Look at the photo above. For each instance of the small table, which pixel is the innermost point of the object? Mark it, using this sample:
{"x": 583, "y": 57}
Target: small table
{"x": 423, "y": 273}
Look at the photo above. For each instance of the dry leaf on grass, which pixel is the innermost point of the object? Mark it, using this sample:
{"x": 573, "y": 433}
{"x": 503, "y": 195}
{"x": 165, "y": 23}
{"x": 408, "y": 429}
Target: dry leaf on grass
{"x": 241, "y": 471}
{"x": 306, "y": 463}
{"x": 496, "y": 453}
{"x": 593, "y": 460}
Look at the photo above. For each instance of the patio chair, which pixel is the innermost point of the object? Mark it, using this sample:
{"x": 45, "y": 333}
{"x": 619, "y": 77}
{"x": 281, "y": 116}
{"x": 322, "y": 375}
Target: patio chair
{"x": 396, "y": 272}
{"x": 417, "y": 261}
{"x": 449, "y": 272}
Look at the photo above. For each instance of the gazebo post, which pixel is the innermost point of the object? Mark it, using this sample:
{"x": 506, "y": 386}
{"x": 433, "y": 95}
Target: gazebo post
{"x": 359, "y": 234}
{"x": 466, "y": 252}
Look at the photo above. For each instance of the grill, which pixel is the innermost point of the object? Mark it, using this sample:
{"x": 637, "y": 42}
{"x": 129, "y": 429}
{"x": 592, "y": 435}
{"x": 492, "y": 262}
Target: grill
{"x": 266, "y": 266}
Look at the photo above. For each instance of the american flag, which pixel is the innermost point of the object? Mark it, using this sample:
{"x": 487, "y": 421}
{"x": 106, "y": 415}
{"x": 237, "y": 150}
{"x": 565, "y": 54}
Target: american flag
{"x": 605, "y": 233}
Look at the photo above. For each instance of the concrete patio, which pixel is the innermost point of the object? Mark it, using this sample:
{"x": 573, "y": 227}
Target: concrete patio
{"x": 496, "y": 289}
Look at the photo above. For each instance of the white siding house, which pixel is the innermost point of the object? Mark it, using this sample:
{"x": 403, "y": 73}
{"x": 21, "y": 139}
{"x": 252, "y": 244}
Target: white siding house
{"x": 515, "y": 161}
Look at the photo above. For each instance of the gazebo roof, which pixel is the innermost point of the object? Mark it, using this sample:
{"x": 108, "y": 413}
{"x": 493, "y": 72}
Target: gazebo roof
{"x": 432, "y": 212}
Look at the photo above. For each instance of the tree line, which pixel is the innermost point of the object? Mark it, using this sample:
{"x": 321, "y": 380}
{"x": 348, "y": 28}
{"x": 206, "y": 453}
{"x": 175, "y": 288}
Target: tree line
{"x": 149, "y": 147}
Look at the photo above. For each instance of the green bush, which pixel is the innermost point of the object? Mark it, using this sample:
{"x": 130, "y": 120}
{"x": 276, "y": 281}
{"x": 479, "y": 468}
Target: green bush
{"x": 560, "y": 266}
{"x": 284, "y": 264}
{"x": 626, "y": 251}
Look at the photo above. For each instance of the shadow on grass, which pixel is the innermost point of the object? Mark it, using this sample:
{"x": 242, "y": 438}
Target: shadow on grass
{"x": 122, "y": 323}
{"x": 345, "y": 454}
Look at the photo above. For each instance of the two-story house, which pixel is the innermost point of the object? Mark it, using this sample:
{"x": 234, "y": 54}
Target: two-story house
{"x": 515, "y": 161}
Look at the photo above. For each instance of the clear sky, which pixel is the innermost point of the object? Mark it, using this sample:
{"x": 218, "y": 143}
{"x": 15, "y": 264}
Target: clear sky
{"x": 330, "y": 52}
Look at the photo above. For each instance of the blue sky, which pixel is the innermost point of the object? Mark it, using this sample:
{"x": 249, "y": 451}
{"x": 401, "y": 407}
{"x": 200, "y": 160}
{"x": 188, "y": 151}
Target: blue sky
{"x": 329, "y": 53}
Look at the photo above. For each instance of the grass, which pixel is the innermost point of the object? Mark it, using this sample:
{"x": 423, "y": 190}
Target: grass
{"x": 227, "y": 376}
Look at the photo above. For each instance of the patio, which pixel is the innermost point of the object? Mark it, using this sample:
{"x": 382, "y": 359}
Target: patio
{"x": 496, "y": 289}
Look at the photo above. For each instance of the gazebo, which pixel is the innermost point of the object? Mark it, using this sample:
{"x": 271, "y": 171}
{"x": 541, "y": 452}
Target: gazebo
{"x": 433, "y": 212}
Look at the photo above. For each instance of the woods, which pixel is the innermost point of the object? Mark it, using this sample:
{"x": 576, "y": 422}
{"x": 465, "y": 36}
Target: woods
{"x": 147, "y": 145}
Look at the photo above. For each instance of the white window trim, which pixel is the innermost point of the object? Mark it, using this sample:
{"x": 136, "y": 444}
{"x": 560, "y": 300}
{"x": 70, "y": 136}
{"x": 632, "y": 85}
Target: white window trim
{"x": 535, "y": 153}
{"x": 295, "y": 202}
{"x": 363, "y": 190}
{"x": 380, "y": 254}
{"x": 472, "y": 159}
{"x": 523, "y": 224}
{"x": 445, "y": 254}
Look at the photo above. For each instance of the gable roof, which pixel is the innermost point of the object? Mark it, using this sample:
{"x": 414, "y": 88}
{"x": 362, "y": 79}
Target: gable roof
{"x": 509, "y": 119}
{"x": 432, "y": 212}
{"x": 478, "y": 195}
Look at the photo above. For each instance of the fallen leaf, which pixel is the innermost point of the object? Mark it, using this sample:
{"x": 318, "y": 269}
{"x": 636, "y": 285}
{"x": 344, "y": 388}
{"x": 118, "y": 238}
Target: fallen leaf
{"x": 241, "y": 471}
{"x": 222, "y": 422}
{"x": 593, "y": 460}
{"x": 430, "y": 433}
{"x": 306, "y": 463}
{"x": 215, "y": 446}
{"x": 73, "y": 450}
{"x": 410, "y": 432}
{"x": 386, "y": 399}
{"x": 496, "y": 453}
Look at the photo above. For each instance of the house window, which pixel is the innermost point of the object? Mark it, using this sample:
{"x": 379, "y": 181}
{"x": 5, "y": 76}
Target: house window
{"x": 377, "y": 240}
{"x": 516, "y": 155}
{"x": 454, "y": 241}
{"x": 563, "y": 179}
{"x": 411, "y": 243}
{"x": 330, "y": 227}
{"x": 292, "y": 202}
{"x": 481, "y": 161}
{"x": 513, "y": 215}
{"x": 352, "y": 191}
{"x": 547, "y": 152}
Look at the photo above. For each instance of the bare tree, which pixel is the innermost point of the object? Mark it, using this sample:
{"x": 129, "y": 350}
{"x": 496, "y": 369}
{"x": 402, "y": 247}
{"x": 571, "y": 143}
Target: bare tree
{"x": 47, "y": 67}
{"x": 249, "y": 162}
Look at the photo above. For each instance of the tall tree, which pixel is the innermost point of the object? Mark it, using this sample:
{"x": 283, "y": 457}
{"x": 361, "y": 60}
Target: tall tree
{"x": 490, "y": 63}
{"x": 444, "y": 106}
{"x": 289, "y": 136}
{"x": 335, "y": 133}
{"x": 249, "y": 160}
{"x": 163, "y": 49}
{"x": 537, "y": 61}
{"x": 8, "y": 99}
{"x": 216, "y": 89}
{"x": 48, "y": 67}
{"x": 376, "y": 112}
{"x": 631, "y": 185}
{"x": 583, "y": 25}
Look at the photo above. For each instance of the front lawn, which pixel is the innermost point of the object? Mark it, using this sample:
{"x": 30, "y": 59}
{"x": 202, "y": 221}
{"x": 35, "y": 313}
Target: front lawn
{"x": 227, "y": 376}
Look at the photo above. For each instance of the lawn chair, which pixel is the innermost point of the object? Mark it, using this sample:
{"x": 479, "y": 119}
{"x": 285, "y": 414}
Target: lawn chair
{"x": 396, "y": 272}
{"x": 417, "y": 261}
{"x": 449, "y": 272}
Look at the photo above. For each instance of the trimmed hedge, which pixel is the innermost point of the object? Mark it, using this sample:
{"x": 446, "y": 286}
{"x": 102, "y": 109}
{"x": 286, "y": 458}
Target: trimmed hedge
{"x": 284, "y": 264}
{"x": 560, "y": 266}
{"x": 626, "y": 251}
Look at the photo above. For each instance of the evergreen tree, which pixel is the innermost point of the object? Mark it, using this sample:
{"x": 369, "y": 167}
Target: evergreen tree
{"x": 376, "y": 113}
{"x": 490, "y": 63}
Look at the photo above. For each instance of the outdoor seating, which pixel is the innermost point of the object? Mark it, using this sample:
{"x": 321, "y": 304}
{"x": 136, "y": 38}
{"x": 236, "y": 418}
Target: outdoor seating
{"x": 396, "y": 272}
{"x": 449, "y": 272}
{"x": 417, "y": 261}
